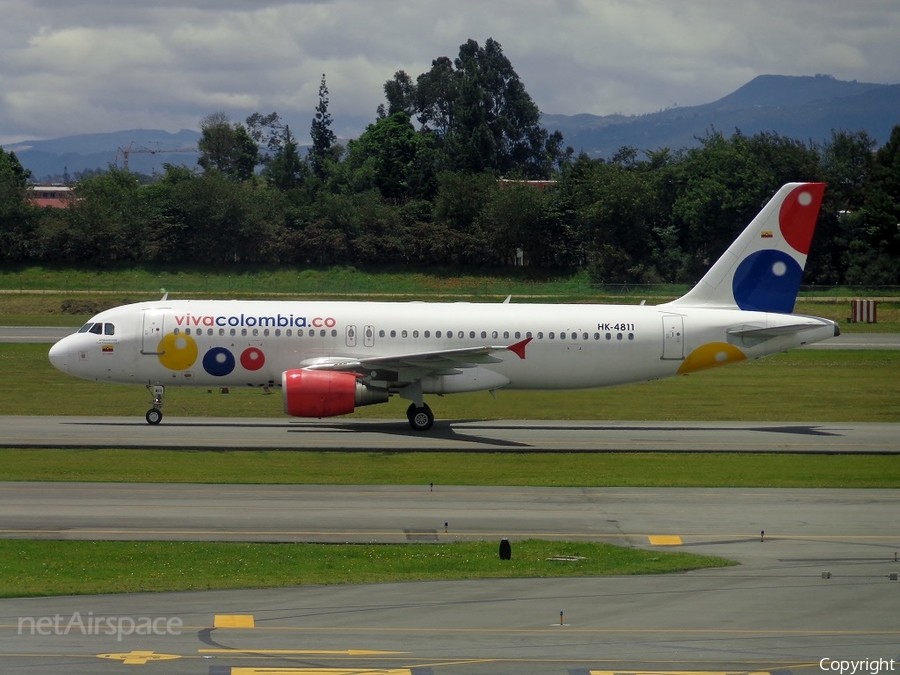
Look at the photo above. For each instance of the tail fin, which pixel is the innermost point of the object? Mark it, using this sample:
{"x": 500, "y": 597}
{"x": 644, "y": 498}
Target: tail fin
{"x": 761, "y": 270}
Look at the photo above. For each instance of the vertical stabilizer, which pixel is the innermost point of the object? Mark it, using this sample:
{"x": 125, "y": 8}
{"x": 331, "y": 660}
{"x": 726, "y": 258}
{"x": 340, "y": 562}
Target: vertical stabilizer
{"x": 761, "y": 270}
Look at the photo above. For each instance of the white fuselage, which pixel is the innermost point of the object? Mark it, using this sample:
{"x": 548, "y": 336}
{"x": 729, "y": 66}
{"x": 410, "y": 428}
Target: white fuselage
{"x": 240, "y": 343}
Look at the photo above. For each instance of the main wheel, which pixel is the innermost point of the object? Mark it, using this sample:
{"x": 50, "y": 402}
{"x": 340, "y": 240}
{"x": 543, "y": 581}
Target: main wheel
{"x": 420, "y": 419}
{"x": 154, "y": 416}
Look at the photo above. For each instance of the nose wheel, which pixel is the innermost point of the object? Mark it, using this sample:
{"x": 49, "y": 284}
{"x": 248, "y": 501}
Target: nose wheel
{"x": 154, "y": 415}
{"x": 420, "y": 417}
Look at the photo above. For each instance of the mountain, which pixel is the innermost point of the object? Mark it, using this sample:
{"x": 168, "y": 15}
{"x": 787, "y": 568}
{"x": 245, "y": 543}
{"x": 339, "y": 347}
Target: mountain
{"x": 805, "y": 108}
{"x": 50, "y": 159}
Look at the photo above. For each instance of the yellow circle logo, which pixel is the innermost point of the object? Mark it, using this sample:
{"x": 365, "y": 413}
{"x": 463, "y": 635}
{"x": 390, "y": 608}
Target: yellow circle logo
{"x": 177, "y": 352}
{"x": 711, "y": 355}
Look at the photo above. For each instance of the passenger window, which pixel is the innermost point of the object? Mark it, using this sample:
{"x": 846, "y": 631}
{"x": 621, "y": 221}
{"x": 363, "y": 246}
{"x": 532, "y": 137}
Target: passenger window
{"x": 428, "y": 333}
{"x": 322, "y": 333}
{"x": 528, "y": 334}
{"x": 288, "y": 332}
{"x": 404, "y": 334}
{"x": 483, "y": 334}
{"x": 540, "y": 335}
{"x": 437, "y": 334}
{"x": 506, "y": 335}
{"x": 471, "y": 333}
{"x": 416, "y": 334}
{"x": 562, "y": 335}
{"x": 380, "y": 333}
{"x": 518, "y": 335}
{"x": 393, "y": 333}
{"x": 233, "y": 332}
{"x": 550, "y": 336}
{"x": 277, "y": 332}
{"x": 494, "y": 334}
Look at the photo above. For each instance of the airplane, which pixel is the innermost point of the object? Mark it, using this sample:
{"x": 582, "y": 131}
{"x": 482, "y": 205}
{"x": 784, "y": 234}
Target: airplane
{"x": 331, "y": 357}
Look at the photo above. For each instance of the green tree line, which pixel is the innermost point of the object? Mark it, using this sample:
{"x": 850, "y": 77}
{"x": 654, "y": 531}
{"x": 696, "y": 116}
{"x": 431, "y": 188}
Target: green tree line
{"x": 423, "y": 187}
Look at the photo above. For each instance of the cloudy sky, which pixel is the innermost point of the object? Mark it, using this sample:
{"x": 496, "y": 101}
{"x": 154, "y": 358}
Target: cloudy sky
{"x": 86, "y": 66}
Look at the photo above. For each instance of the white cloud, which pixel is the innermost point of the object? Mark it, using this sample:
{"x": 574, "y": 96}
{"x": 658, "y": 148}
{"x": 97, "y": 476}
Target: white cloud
{"x": 101, "y": 65}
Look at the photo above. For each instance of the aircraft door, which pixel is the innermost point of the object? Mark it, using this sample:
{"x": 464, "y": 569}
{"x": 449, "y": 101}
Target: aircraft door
{"x": 351, "y": 336}
{"x": 673, "y": 337}
{"x": 153, "y": 332}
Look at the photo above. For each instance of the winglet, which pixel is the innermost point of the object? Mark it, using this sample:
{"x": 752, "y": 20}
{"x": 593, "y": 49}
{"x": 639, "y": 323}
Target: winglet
{"x": 519, "y": 348}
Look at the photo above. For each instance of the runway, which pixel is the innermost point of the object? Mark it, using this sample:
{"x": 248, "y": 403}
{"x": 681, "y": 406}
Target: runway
{"x": 361, "y": 435}
{"x": 817, "y": 586}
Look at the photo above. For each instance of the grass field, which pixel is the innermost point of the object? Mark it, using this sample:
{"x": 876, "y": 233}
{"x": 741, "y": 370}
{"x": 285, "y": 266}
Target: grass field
{"x": 41, "y": 568}
{"x": 67, "y": 297}
{"x": 421, "y": 468}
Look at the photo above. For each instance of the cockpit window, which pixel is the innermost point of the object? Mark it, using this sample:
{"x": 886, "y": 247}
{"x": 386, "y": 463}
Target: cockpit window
{"x": 98, "y": 328}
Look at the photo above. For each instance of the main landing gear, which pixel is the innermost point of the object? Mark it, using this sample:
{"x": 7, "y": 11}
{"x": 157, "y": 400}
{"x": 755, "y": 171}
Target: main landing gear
{"x": 154, "y": 415}
{"x": 420, "y": 417}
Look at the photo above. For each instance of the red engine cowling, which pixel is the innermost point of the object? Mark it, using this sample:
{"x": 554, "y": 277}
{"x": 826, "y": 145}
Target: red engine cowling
{"x": 323, "y": 393}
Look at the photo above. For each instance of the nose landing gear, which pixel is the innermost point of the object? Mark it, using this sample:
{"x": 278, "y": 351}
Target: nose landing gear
{"x": 154, "y": 415}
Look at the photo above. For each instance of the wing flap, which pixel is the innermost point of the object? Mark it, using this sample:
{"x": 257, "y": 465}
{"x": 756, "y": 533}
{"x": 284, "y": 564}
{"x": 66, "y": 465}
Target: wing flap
{"x": 464, "y": 357}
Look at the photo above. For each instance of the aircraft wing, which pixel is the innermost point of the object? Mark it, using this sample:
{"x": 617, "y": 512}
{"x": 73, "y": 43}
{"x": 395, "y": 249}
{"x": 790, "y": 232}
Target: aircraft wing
{"x": 424, "y": 362}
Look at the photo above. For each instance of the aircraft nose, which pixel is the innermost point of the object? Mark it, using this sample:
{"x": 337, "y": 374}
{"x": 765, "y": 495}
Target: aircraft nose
{"x": 59, "y": 356}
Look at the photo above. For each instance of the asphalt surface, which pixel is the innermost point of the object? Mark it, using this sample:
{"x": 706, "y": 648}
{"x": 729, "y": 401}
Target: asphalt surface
{"x": 816, "y": 586}
{"x": 361, "y": 435}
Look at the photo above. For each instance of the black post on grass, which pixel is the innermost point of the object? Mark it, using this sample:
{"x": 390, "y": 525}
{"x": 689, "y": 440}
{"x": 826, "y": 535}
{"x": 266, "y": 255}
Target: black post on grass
{"x": 505, "y": 550}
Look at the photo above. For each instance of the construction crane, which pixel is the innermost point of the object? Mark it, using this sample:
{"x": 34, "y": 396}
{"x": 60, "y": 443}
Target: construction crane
{"x": 125, "y": 152}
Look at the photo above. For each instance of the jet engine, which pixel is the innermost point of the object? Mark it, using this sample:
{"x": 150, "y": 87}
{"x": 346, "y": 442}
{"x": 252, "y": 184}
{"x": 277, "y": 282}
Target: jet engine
{"x": 323, "y": 393}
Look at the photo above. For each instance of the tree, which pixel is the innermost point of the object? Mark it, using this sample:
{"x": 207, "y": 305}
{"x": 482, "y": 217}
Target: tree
{"x": 17, "y": 216}
{"x": 267, "y": 131}
{"x": 393, "y": 158}
{"x": 106, "y": 223}
{"x": 479, "y": 111}
{"x": 227, "y": 148}
{"x": 873, "y": 254}
{"x": 323, "y": 137}
{"x": 400, "y": 94}
{"x": 285, "y": 170}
